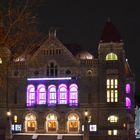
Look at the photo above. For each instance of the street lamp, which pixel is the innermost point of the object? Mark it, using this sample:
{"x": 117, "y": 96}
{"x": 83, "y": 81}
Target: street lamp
{"x": 8, "y": 135}
{"x": 86, "y": 135}
{"x": 86, "y": 115}
{"x": 8, "y": 113}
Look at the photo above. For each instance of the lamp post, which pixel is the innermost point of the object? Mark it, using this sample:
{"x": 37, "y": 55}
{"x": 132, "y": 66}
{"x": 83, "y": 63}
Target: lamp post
{"x": 8, "y": 132}
{"x": 86, "y": 129}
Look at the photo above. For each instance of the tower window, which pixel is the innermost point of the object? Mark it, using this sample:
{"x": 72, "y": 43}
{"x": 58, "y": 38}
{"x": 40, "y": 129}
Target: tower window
{"x": 111, "y": 56}
{"x": 112, "y": 90}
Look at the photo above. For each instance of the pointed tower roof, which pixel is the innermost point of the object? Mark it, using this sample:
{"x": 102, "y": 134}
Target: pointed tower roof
{"x": 110, "y": 33}
{"x": 127, "y": 70}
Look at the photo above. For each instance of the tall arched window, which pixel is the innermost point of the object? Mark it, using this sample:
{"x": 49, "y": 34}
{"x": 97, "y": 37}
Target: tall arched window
{"x": 30, "y": 123}
{"x": 111, "y": 56}
{"x": 52, "y": 95}
{"x": 62, "y": 94}
{"x": 30, "y": 97}
{"x": 41, "y": 94}
{"x": 73, "y": 95}
{"x": 128, "y": 103}
{"x": 127, "y": 88}
{"x": 73, "y": 123}
{"x": 51, "y": 122}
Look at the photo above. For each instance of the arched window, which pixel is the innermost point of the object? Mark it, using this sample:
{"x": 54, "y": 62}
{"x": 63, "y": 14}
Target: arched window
{"x": 73, "y": 123}
{"x": 127, "y": 88}
{"x": 0, "y": 61}
{"x": 73, "y": 95}
{"x": 62, "y": 94}
{"x": 41, "y": 94}
{"x": 128, "y": 103}
{"x": 111, "y": 56}
{"x": 52, "y": 95}
{"x": 30, "y": 123}
{"x": 52, "y": 69}
{"x": 30, "y": 97}
{"x": 51, "y": 122}
{"x": 113, "y": 119}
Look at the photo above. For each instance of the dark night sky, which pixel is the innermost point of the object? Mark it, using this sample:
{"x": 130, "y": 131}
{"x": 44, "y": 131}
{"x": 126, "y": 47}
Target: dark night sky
{"x": 82, "y": 21}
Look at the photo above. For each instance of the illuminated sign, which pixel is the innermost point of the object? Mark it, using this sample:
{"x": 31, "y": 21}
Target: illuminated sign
{"x": 92, "y": 128}
{"x": 16, "y": 127}
{"x": 52, "y": 78}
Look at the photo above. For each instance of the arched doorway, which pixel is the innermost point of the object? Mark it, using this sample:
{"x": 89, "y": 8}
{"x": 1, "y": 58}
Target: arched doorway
{"x": 73, "y": 123}
{"x": 30, "y": 123}
{"x": 51, "y": 123}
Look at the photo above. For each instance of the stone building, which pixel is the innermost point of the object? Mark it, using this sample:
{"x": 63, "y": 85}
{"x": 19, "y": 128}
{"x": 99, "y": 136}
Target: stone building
{"x": 61, "y": 91}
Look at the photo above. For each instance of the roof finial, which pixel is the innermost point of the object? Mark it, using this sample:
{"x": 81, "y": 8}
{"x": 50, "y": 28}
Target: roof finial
{"x": 52, "y": 32}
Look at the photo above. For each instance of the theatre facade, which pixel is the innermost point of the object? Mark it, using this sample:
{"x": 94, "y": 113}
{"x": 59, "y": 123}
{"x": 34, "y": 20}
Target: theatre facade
{"x": 61, "y": 90}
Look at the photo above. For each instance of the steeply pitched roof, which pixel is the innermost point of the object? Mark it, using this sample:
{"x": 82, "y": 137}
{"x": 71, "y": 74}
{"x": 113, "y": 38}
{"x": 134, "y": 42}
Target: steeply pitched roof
{"x": 127, "y": 70}
{"x": 110, "y": 33}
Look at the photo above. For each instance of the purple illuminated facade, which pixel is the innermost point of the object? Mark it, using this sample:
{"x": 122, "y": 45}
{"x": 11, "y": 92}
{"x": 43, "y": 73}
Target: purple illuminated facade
{"x": 52, "y": 95}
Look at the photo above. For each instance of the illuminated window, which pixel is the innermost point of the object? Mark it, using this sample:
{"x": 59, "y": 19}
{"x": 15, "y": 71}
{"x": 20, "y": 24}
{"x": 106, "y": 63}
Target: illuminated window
{"x": 127, "y": 88}
{"x": 113, "y": 119}
{"x": 112, "y": 132}
{"x": 15, "y": 119}
{"x": 109, "y": 132}
{"x": 41, "y": 94}
{"x": 73, "y": 123}
{"x": 30, "y": 123}
{"x": 112, "y": 90}
{"x": 115, "y": 132}
{"x": 128, "y": 103}
{"x": 62, "y": 91}
{"x": 30, "y": 95}
{"x": 0, "y": 61}
{"x": 111, "y": 56}
{"x": 52, "y": 95}
{"x": 51, "y": 122}
{"x": 73, "y": 95}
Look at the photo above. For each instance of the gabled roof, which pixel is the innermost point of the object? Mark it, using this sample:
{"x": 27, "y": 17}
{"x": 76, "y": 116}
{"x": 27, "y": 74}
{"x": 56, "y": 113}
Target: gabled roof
{"x": 110, "y": 33}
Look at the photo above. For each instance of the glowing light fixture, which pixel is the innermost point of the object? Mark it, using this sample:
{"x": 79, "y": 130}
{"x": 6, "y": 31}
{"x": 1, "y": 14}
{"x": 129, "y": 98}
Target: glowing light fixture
{"x": 56, "y": 78}
{"x": 8, "y": 113}
{"x": 86, "y": 113}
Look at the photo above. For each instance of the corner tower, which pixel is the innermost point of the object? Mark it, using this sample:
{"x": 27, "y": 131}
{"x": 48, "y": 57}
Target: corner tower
{"x": 116, "y": 83}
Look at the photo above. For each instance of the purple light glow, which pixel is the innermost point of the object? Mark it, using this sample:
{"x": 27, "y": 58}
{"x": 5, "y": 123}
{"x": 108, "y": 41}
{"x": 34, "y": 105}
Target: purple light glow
{"x": 57, "y": 78}
{"x": 51, "y": 95}
{"x": 41, "y": 94}
{"x": 128, "y": 103}
{"x": 127, "y": 88}
{"x": 62, "y": 94}
{"x": 30, "y": 95}
{"x": 73, "y": 95}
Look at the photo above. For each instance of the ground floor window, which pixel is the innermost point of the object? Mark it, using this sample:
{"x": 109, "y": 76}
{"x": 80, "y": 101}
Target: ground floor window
{"x": 73, "y": 123}
{"x": 30, "y": 123}
{"x": 51, "y": 123}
